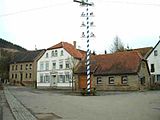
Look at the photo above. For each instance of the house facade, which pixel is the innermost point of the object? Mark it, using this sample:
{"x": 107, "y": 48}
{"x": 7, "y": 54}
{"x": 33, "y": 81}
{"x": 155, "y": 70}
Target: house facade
{"x": 23, "y": 68}
{"x": 55, "y": 67}
{"x": 154, "y": 63}
{"x": 119, "y": 71}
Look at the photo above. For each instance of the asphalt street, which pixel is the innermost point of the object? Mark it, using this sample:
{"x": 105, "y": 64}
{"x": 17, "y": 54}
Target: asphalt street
{"x": 53, "y": 105}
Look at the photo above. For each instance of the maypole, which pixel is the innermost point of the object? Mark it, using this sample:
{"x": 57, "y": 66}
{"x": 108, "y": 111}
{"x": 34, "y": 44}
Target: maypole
{"x": 87, "y": 33}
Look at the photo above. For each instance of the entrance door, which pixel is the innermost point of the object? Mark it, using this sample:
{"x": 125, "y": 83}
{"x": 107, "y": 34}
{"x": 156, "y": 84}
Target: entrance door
{"x": 21, "y": 78}
{"x": 54, "y": 80}
{"x": 82, "y": 81}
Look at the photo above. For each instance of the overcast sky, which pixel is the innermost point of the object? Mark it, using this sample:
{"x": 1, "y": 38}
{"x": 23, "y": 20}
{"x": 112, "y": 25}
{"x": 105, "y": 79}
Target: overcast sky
{"x": 47, "y": 22}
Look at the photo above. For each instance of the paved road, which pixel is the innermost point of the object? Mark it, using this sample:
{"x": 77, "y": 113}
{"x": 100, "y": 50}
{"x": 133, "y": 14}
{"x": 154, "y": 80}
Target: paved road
{"x": 51, "y": 105}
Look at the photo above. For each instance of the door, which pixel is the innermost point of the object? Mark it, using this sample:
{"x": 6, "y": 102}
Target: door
{"x": 82, "y": 81}
{"x": 21, "y": 77}
{"x": 54, "y": 80}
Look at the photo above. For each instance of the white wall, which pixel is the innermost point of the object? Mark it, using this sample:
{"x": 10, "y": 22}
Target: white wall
{"x": 152, "y": 59}
{"x": 58, "y": 71}
{"x": 155, "y": 60}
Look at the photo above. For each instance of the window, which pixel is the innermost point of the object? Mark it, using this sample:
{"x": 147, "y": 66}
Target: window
{"x": 111, "y": 80}
{"x": 152, "y": 68}
{"x": 124, "y": 80}
{"x": 68, "y": 77}
{"x": 61, "y": 52}
{"x": 47, "y": 79}
{"x": 61, "y": 64}
{"x": 155, "y": 53}
{"x": 30, "y": 66}
{"x": 26, "y": 66}
{"x": 41, "y": 78}
{"x": 99, "y": 80}
{"x": 12, "y": 75}
{"x": 12, "y": 67}
{"x": 46, "y": 55}
{"x": 54, "y": 65}
{"x": 47, "y": 66}
{"x": 15, "y": 75}
{"x": 61, "y": 79}
{"x": 52, "y": 54}
{"x": 143, "y": 81}
{"x": 30, "y": 75}
{"x": 26, "y": 75}
{"x": 158, "y": 78}
{"x": 56, "y": 53}
{"x": 41, "y": 66}
{"x": 67, "y": 64}
{"x": 16, "y": 67}
{"x": 21, "y": 67}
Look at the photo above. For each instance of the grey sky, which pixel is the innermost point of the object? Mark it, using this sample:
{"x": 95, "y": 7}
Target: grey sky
{"x": 46, "y": 22}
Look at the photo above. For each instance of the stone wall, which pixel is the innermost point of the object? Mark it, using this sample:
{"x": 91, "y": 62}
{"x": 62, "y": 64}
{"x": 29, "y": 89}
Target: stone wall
{"x": 131, "y": 85}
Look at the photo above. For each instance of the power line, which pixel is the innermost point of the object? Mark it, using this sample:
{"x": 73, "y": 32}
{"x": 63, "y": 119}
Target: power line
{"x": 134, "y": 3}
{"x": 49, "y": 6}
{"x": 33, "y": 9}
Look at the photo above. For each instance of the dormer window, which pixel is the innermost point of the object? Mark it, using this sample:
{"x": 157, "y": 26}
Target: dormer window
{"x": 155, "y": 53}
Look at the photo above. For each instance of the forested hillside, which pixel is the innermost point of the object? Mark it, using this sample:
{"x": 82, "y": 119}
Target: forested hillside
{"x": 9, "y": 45}
{"x": 7, "y": 51}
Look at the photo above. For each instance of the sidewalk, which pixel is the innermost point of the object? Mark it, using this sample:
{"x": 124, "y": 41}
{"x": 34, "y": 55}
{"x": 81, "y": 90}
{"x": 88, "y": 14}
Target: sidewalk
{"x": 5, "y": 113}
{"x": 18, "y": 110}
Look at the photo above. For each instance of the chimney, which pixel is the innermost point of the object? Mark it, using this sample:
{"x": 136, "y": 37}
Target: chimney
{"x": 74, "y": 43}
{"x": 35, "y": 48}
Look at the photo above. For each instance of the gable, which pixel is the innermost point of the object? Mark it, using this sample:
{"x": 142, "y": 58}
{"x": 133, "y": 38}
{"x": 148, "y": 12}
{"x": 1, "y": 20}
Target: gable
{"x": 69, "y": 48}
{"x": 156, "y": 47}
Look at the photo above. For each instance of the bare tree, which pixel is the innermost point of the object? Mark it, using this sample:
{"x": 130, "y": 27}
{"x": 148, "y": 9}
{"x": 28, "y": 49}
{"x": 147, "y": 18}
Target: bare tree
{"x": 117, "y": 45}
{"x": 73, "y": 62}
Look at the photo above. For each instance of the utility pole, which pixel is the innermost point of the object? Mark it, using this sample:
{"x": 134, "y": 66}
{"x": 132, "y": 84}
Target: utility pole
{"x": 87, "y": 33}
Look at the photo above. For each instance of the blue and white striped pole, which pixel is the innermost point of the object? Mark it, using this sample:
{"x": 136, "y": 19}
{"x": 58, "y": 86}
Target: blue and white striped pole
{"x": 87, "y": 35}
{"x": 88, "y": 53}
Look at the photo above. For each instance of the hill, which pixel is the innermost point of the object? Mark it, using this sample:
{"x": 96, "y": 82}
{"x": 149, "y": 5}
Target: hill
{"x": 10, "y": 46}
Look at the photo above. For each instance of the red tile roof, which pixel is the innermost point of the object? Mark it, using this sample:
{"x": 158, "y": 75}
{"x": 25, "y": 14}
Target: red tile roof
{"x": 144, "y": 51}
{"x": 127, "y": 62}
{"x": 69, "y": 48}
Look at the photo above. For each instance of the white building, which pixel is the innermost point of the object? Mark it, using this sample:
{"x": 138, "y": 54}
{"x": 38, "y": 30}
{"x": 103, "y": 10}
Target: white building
{"x": 154, "y": 63}
{"x": 55, "y": 67}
